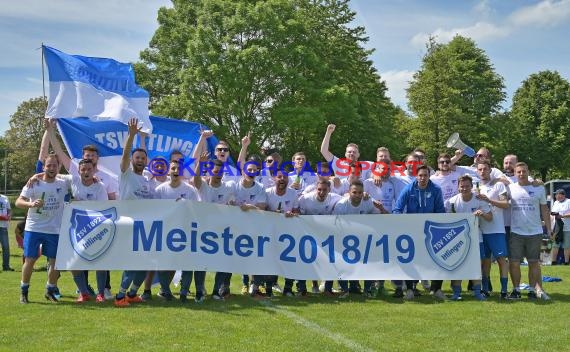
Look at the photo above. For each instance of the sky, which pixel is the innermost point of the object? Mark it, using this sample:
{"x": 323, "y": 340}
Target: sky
{"x": 520, "y": 37}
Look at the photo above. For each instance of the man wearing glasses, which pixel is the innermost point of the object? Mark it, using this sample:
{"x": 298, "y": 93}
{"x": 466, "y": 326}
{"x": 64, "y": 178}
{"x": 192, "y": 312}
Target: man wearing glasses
{"x": 482, "y": 155}
{"x": 446, "y": 178}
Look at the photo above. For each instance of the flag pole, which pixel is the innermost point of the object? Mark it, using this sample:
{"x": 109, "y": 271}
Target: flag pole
{"x": 43, "y": 74}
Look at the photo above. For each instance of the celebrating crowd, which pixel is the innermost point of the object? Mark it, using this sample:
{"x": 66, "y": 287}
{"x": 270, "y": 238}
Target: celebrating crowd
{"x": 509, "y": 204}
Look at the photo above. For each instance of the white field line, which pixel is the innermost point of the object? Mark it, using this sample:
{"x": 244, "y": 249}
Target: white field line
{"x": 338, "y": 338}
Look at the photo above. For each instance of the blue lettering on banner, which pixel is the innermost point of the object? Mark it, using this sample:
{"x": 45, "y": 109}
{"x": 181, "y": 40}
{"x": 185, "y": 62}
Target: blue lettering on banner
{"x": 353, "y": 249}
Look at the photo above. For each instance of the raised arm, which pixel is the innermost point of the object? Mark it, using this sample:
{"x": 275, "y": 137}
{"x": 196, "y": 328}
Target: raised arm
{"x": 325, "y": 144}
{"x": 245, "y": 142}
{"x": 64, "y": 159}
{"x": 44, "y": 147}
{"x": 456, "y": 157}
{"x": 198, "y": 170}
{"x": 126, "y": 157}
{"x": 198, "y": 148}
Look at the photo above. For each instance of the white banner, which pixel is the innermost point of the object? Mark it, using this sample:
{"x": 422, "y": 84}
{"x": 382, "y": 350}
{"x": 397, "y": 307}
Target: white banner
{"x": 170, "y": 235}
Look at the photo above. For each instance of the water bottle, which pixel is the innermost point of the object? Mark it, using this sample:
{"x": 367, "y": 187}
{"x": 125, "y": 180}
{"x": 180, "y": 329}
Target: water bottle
{"x": 39, "y": 209}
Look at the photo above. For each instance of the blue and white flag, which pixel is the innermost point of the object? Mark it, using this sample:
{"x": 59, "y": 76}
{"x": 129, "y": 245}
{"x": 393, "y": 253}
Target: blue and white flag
{"x": 110, "y": 136}
{"x": 98, "y": 88}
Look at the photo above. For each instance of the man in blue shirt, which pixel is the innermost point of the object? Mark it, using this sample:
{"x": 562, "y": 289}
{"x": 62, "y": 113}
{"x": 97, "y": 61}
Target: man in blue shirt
{"x": 420, "y": 197}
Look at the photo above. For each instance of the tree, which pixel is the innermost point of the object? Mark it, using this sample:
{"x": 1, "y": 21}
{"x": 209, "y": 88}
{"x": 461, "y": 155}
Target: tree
{"x": 281, "y": 69}
{"x": 23, "y": 140}
{"x": 540, "y": 122}
{"x": 456, "y": 90}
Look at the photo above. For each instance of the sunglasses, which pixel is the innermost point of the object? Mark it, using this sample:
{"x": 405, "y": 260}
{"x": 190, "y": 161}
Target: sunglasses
{"x": 269, "y": 161}
{"x": 480, "y": 155}
{"x": 222, "y": 149}
{"x": 444, "y": 161}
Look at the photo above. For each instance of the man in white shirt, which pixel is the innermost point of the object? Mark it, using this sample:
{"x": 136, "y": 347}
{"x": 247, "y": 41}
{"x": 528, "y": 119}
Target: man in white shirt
{"x": 179, "y": 190}
{"x": 494, "y": 238}
{"x": 45, "y": 210}
{"x": 320, "y": 201}
{"x": 5, "y": 216}
{"x": 215, "y": 190}
{"x": 467, "y": 202}
{"x": 90, "y": 152}
{"x": 249, "y": 195}
{"x": 354, "y": 204}
{"x": 561, "y": 211}
{"x": 84, "y": 188}
{"x": 283, "y": 199}
{"x": 133, "y": 185}
{"x": 528, "y": 205}
{"x": 446, "y": 178}
{"x": 482, "y": 154}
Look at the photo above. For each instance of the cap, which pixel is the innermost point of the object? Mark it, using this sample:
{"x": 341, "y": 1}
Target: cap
{"x": 560, "y": 190}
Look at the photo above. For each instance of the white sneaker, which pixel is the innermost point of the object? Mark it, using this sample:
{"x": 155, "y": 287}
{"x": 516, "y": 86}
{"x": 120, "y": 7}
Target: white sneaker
{"x": 439, "y": 295}
{"x": 409, "y": 295}
{"x": 108, "y": 295}
{"x": 322, "y": 287}
{"x": 277, "y": 288}
{"x": 542, "y": 295}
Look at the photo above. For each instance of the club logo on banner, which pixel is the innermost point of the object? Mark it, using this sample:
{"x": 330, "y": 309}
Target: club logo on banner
{"x": 92, "y": 232}
{"x": 448, "y": 244}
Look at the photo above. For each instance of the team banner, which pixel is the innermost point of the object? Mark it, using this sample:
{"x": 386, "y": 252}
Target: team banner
{"x": 184, "y": 235}
{"x": 110, "y": 137}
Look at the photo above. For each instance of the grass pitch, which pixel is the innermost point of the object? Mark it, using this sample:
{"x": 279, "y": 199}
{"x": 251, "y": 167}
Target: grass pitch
{"x": 314, "y": 323}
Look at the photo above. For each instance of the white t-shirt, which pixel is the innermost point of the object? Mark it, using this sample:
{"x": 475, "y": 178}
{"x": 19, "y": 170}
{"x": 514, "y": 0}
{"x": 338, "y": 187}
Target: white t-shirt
{"x": 266, "y": 181}
{"x": 342, "y": 166}
{"x": 472, "y": 171}
{"x": 344, "y": 206}
{"x": 310, "y": 205}
{"x": 447, "y": 183}
{"x": 288, "y": 201}
{"x": 252, "y": 195}
{"x": 219, "y": 195}
{"x": 79, "y": 191}
{"x": 110, "y": 182}
{"x": 385, "y": 193}
{"x": 400, "y": 183}
{"x": 4, "y": 209}
{"x": 184, "y": 191}
{"x": 494, "y": 192}
{"x": 564, "y": 209}
{"x": 230, "y": 173}
{"x": 525, "y": 209}
{"x": 133, "y": 186}
{"x": 342, "y": 189}
{"x": 507, "y": 212}
{"x": 48, "y": 219}
{"x": 460, "y": 206}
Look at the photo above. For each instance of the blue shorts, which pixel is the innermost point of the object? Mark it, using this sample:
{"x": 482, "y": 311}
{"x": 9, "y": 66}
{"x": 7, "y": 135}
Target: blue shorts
{"x": 33, "y": 240}
{"x": 496, "y": 244}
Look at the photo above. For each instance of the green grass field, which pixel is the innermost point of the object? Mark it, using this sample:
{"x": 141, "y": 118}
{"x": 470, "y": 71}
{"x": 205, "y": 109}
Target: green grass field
{"x": 314, "y": 323}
